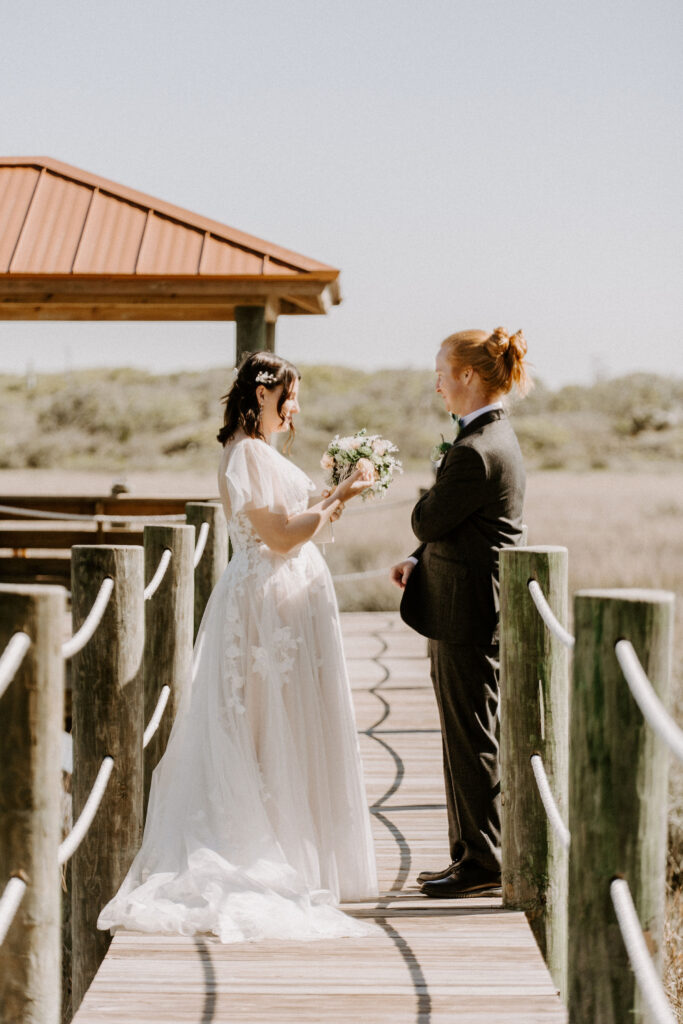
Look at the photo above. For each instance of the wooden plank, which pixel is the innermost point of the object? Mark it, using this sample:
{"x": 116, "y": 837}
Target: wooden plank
{"x": 462, "y": 961}
{"x": 50, "y": 540}
{"x": 97, "y": 505}
{"x": 39, "y": 569}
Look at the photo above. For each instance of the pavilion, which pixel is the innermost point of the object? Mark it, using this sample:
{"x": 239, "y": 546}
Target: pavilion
{"x": 74, "y": 246}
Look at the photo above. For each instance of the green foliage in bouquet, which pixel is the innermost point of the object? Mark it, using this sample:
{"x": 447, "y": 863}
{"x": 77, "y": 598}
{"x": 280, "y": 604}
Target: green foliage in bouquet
{"x": 343, "y": 455}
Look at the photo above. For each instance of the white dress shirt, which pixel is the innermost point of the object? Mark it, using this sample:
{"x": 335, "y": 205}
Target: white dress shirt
{"x": 466, "y": 420}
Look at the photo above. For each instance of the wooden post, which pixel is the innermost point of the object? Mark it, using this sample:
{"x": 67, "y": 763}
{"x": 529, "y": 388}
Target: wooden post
{"x": 169, "y": 620}
{"x": 215, "y": 557}
{"x": 618, "y": 798}
{"x": 108, "y": 710}
{"x": 534, "y": 720}
{"x": 31, "y": 722}
{"x": 251, "y": 331}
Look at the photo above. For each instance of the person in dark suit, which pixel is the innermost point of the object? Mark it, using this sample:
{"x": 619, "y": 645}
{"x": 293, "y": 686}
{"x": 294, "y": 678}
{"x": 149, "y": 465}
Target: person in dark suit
{"x": 450, "y": 591}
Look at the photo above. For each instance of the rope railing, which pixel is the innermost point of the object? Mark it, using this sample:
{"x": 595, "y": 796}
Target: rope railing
{"x": 12, "y": 657}
{"x": 85, "y": 819}
{"x": 9, "y": 903}
{"x": 74, "y": 517}
{"x": 154, "y": 721}
{"x": 646, "y": 975}
{"x": 548, "y": 801}
{"x": 548, "y": 616}
{"x": 87, "y": 630}
{"x": 155, "y": 582}
{"x": 654, "y": 712}
{"x": 201, "y": 543}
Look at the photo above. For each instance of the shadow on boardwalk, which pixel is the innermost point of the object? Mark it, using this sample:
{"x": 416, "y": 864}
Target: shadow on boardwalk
{"x": 465, "y": 962}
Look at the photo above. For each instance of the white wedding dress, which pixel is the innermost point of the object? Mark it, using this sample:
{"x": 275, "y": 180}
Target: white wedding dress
{"x": 258, "y": 823}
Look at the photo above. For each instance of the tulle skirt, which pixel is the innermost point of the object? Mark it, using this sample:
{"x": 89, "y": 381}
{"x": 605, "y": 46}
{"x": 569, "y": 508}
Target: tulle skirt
{"x": 257, "y": 823}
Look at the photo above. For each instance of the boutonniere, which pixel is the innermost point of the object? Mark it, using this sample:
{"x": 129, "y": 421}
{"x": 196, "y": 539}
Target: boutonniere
{"x": 439, "y": 451}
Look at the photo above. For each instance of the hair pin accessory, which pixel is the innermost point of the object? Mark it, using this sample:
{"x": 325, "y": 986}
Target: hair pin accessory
{"x": 263, "y": 377}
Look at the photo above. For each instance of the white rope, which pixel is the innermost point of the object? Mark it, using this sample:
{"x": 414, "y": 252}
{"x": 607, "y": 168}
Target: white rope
{"x": 648, "y": 980}
{"x": 156, "y": 717}
{"x": 551, "y": 808}
{"x": 201, "y": 543}
{"x": 80, "y": 639}
{"x": 12, "y": 657}
{"x": 73, "y": 517}
{"x": 85, "y": 818}
{"x": 654, "y": 712}
{"x": 548, "y": 616}
{"x": 155, "y": 582}
{"x": 139, "y": 519}
{"x": 9, "y": 904}
{"x": 346, "y": 577}
{"x": 35, "y": 513}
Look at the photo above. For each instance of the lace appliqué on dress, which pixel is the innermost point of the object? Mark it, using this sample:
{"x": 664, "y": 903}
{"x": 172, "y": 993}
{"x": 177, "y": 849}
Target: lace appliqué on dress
{"x": 275, "y": 662}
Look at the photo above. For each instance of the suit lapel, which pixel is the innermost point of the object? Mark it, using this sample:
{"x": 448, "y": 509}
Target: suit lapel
{"x": 481, "y": 421}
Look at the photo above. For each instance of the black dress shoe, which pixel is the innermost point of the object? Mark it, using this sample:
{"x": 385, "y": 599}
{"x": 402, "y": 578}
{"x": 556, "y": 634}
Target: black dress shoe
{"x": 434, "y": 876}
{"x": 466, "y": 879}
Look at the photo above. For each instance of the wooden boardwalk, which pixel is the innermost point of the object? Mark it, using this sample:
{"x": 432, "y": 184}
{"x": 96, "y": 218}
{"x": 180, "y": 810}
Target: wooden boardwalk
{"x": 464, "y": 961}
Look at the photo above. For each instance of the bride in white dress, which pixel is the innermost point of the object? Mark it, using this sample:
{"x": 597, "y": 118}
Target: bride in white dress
{"x": 257, "y": 823}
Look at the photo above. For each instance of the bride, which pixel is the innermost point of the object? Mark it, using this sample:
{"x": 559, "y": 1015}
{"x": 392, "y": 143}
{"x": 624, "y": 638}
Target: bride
{"x": 257, "y": 823}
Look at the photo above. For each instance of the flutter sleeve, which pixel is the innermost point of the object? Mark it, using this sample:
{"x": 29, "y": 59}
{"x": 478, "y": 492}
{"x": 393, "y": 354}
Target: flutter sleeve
{"x": 255, "y": 480}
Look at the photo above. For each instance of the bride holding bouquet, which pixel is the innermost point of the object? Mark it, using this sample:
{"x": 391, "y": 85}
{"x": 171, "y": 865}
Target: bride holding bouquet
{"x": 258, "y": 823}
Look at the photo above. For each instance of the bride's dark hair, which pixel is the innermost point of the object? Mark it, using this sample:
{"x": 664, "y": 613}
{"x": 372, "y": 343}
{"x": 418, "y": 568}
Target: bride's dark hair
{"x": 241, "y": 404}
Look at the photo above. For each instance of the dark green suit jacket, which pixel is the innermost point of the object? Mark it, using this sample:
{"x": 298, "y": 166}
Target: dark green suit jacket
{"x": 473, "y": 509}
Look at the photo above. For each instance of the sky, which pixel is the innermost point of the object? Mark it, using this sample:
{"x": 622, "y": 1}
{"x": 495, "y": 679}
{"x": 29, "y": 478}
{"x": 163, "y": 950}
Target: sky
{"x": 465, "y": 163}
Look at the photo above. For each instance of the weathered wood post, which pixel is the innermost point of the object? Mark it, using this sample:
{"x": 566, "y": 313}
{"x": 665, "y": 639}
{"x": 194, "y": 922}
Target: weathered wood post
{"x": 215, "y": 557}
{"x": 534, "y": 720}
{"x": 169, "y": 618}
{"x": 618, "y": 798}
{"x": 254, "y": 329}
{"x": 31, "y": 722}
{"x": 108, "y": 712}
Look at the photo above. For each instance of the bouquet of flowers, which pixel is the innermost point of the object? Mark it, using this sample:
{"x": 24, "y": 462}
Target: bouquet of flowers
{"x": 344, "y": 454}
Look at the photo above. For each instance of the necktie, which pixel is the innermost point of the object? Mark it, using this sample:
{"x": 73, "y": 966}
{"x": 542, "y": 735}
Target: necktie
{"x": 457, "y": 424}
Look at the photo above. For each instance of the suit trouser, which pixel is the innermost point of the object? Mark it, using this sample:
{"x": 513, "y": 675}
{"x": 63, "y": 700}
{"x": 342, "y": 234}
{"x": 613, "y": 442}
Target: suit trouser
{"x": 465, "y": 682}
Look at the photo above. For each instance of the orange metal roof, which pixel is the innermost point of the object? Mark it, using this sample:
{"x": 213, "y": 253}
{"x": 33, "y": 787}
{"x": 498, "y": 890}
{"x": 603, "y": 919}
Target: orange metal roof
{"x": 110, "y": 252}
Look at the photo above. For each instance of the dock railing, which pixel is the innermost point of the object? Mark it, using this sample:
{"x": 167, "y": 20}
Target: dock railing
{"x": 133, "y": 612}
{"x": 581, "y": 833}
{"x": 593, "y": 888}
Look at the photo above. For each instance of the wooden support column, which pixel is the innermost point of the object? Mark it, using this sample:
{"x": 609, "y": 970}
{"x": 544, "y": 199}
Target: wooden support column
{"x": 31, "y": 722}
{"x": 534, "y": 720}
{"x": 169, "y": 617}
{"x": 251, "y": 331}
{"x": 215, "y": 557}
{"x": 270, "y": 335}
{"x": 255, "y": 328}
{"x": 617, "y": 798}
{"x": 108, "y": 712}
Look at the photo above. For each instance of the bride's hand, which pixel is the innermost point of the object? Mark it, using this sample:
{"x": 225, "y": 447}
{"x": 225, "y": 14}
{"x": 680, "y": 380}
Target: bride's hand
{"x": 362, "y": 477}
{"x": 327, "y": 493}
